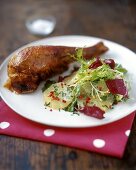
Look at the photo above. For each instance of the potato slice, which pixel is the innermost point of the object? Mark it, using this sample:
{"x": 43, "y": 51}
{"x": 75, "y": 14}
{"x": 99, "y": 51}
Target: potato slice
{"x": 63, "y": 97}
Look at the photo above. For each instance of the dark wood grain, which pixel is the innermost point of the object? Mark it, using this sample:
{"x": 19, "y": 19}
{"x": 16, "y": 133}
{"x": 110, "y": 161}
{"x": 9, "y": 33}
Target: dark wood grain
{"x": 114, "y": 20}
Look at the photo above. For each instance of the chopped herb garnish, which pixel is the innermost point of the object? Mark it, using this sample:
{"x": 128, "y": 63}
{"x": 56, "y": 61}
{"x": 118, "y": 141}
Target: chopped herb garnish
{"x": 47, "y": 104}
{"x": 56, "y": 90}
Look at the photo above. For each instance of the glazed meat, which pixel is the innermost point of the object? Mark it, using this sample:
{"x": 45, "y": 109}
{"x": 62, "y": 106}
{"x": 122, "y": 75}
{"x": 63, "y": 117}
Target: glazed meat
{"x": 27, "y": 68}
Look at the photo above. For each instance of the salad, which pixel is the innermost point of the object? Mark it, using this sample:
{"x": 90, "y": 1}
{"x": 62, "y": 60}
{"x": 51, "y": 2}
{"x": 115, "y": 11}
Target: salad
{"x": 94, "y": 88}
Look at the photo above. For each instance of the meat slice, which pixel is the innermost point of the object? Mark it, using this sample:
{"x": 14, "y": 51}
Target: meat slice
{"x": 27, "y": 68}
{"x": 117, "y": 86}
{"x": 93, "y": 111}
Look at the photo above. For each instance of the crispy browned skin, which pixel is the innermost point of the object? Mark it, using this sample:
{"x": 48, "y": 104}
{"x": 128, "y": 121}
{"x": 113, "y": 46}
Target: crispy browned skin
{"x": 30, "y": 66}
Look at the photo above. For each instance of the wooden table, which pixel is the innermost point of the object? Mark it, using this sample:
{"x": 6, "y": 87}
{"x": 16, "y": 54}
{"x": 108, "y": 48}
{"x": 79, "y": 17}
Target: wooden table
{"x": 114, "y": 20}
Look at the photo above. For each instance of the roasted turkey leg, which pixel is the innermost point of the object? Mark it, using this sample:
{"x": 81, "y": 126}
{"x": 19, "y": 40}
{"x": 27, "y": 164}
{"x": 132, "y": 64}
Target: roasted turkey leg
{"x": 27, "y": 68}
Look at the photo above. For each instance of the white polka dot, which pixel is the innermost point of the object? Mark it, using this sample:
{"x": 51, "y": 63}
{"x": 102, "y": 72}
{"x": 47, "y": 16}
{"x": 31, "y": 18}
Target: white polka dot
{"x": 4, "y": 125}
{"x": 99, "y": 143}
{"x": 127, "y": 132}
{"x": 49, "y": 132}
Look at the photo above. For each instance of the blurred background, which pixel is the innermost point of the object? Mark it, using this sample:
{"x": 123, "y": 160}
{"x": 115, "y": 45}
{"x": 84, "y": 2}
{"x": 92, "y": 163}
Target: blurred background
{"x": 110, "y": 19}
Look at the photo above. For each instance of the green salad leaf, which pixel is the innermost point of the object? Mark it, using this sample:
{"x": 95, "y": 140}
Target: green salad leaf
{"x": 47, "y": 84}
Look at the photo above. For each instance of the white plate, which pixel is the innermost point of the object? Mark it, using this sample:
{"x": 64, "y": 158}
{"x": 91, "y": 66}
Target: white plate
{"x": 31, "y": 106}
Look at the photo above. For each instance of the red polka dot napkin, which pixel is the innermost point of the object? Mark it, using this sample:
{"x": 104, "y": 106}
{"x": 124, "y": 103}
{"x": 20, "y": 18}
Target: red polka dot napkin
{"x": 109, "y": 139}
